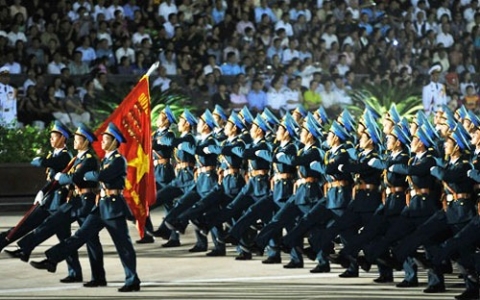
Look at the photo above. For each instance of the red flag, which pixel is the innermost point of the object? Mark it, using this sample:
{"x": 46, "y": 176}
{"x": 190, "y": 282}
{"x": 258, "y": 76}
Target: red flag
{"x": 132, "y": 117}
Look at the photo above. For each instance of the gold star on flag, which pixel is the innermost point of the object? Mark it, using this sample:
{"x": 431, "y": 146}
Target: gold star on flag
{"x": 141, "y": 162}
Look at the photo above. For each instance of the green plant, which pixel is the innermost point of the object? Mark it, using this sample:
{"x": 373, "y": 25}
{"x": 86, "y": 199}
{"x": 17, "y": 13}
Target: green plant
{"x": 380, "y": 98}
{"x": 22, "y": 145}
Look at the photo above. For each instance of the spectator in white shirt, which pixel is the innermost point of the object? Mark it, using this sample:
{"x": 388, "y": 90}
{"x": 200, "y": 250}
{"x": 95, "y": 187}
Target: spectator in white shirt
{"x": 125, "y": 50}
{"x": 101, "y": 9}
{"x": 169, "y": 63}
{"x": 290, "y": 53}
{"x": 285, "y": 24}
{"x": 166, "y": 8}
{"x": 56, "y": 65}
{"x": 103, "y": 33}
{"x": 170, "y": 25}
{"x": 115, "y": 7}
{"x": 329, "y": 36}
{"x": 244, "y": 23}
{"x": 342, "y": 65}
{"x": 88, "y": 53}
{"x": 293, "y": 94}
{"x": 444, "y": 10}
{"x": 276, "y": 100}
{"x": 444, "y": 37}
{"x": 14, "y": 35}
{"x": 162, "y": 82}
{"x": 469, "y": 12}
{"x": 13, "y": 66}
{"x": 140, "y": 35}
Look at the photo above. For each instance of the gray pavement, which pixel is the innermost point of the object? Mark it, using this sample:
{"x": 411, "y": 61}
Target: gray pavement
{"x": 175, "y": 273}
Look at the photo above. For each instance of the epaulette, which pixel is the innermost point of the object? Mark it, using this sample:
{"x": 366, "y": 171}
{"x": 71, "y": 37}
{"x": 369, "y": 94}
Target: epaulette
{"x": 343, "y": 150}
{"x": 465, "y": 161}
{"x": 404, "y": 154}
{"x": 117, "y": 155}
{"x": 65, "y": 150}
{"x": 429, "y": 155}
{"x": 88, "y": 155}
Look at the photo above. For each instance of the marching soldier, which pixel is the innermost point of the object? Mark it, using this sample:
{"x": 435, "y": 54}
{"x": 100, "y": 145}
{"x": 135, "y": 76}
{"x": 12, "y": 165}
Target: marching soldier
{"x": 79, "y": 205}
{"x": 111, "y": 212}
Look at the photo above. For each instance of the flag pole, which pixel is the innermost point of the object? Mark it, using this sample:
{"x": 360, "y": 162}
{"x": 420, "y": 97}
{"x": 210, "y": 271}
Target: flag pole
{"x": 152, "y": 69}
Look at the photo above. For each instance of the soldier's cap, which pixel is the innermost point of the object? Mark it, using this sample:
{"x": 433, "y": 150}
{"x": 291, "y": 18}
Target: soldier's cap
{"x": 419, "y": 118}
{"x": 458, "y": 136}
{"x": 372, "y": 110}
{"x": 434, "y": 69}
{"x": 346, "y": 120}
{"x": 301, "y": 110}
{"x": 262, "y": 124}
{"x": 393, "y": 114}
{"x": 474, "y": 119}
{"x": 235, "y": 120}
{"x": 323, "y": 114}
{"x": 339, "y": 131}
{"x": 246, "y": 115}
{"x": 113, "y": 131}
{"x": 270, "y": 117}
{"x": 207, "y": 117}
{"x": 462, "y": 112}
{"x": 4, "y": 70}
{"x": 464, "y": 131}
{"x": 448, "y": 119}
{"x": 170, "y": 116}
{"x": 424, "y": 137}
{"x": 430, "y": 129}
{"x": 372, "y": 129}
{"x": 310, "y": 126}
{"x": 61, "y": 128}
{"x": 218, "y": 110}
{"x": 400, "y": 134}
{"x": 289, "y": 124}
{"x": 86, "y": 132}
{"x": 315, "y": 121}
{"x": 189, "y": 117}
{"x": 405, "y": 126}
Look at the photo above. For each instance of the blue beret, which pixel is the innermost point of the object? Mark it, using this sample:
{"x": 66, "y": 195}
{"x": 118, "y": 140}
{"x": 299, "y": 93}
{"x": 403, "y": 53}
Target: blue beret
{"x": 219, "y": 111}
{"x": 424, "y": 137}
{"x": 262, "y": 124}
{"x": 246, "y": 115}
{"x": 170, "y": 116}
{"x": 86, "y": 132}
{"x": 189, "y": 117}
{"x": 207, "y": 117}
{"x": 401, "y": 135}
{"x": 458, "y": 135}
{"x": 270, "y": 117}
{"x": 61, "y": 128}
{"x": 339, "y": 131}
{"x": 235, "y": 120}
{"x": 113, "y": 130}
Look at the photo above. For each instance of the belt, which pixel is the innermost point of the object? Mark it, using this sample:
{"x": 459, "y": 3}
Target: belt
{"x": 280, "y": 176}
{"x": 456, "y": 197}
{"x": 230, "y": 171}
{"x": 336, "y": 183}
{"x": 205, "y": 169}
{"x": 183, "y": 165}
{"x": 366, "y": 186}
{"x": 107, "y": 192}
{"x": 414, "y": 192}
{"x": 254, "y": 173}
{"x": 306, "y": 180}
{"x": 394, "y": 189}
{"x": 476, "y": 187}
{"x": 163, "y": 161}
{"x": 79, "y": 191}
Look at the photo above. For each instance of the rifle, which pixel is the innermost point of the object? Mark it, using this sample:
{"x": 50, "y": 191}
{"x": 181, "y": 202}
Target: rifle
{"x": 48, "y": 188}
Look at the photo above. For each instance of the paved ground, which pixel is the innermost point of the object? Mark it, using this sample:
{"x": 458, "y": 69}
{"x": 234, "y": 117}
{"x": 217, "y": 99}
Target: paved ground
{"x": 176, "y": 274}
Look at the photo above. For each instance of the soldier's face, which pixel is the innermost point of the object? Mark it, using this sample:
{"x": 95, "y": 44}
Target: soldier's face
{"x": 107, "y": 142}
{"x": 280, "y": 133}
{"x": 162, "y": 120}
{"x": 449, "y": 146}
{"x": 387, "y": 126}
{"x": 475, "y": 137}
{"x": 57, "y": 140}
{"x": 79, "y": 143}
{"x": 365, "y": 141}
{"x": 229, "y": 129}
{"x": 391, "y": 141}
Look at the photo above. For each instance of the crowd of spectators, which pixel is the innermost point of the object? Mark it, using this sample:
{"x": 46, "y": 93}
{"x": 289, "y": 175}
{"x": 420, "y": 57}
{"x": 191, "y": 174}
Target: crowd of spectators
{"x": 260, "y": 53}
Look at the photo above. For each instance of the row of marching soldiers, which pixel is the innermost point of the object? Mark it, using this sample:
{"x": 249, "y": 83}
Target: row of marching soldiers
{"x": 383, "y": 192}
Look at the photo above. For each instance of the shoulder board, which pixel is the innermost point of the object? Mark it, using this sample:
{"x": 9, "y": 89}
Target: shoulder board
{"x": 429, "y": 155}
{"x": 117, "y": 155}
{"x": 65, "y": 150}
{"x": 314, "y": 147}
{"x": 404, "y": 154}
{"x": 465, "y": 161}
{"x": 343, "y": 150}
{"x": 88, "y": 155}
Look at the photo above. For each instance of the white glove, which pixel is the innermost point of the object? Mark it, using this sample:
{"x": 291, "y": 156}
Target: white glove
{"x": 313, "y": 163}
{"x": 257, "y": 153}
{"x": 57, "y": 176}
{"x": 372, "y": 161}
{"x": 206, "y": 151}
{"x": 280, "y": 154}
{"x": 39, "y": 198}
{"x": 390, "y": 168}
{"x": 469, "y": 172}
{"x": 155, "y": 162}
{"x": 433, "y": 168}
{"x": 340, "y": 167}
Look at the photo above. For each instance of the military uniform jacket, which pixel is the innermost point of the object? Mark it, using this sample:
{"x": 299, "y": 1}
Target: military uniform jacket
{"x": 257, "y": 186}
{"x": 419, "y": 177}
{"x": 231, "y": 183}
{"x": 81, "y": 204}
{"x": 184, "y": 178}
{"x": 162, "y": 145}
{"x": 308, "y": 192}
{"x": 55, "y": 162}
{"x": 457, "y": 186}
{"x": 206, "y": 181}
{"x": 475, "y": 160}
{"x": 282, "y": 160}
{"x": 112, "y": 174}
{"x": 365, "y": 200}
{"x": 395, "y": 202}
{"x": 337, "y": 197}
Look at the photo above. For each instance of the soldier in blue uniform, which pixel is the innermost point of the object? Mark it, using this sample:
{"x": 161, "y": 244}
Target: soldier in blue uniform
{"x": 110, "y": 212}
{"x": 230, "y": 181}
{"x": 258, "y": 184}
{"x": 306, "y": 193}
{"x": 164, "y": 173}
{"x": 184, "y": 169}
{"x": 205, "y": 175}
{"x": 52, "y": 195}
{"x": 281, "y": 188}
{"x": 220, "y": 117}
{"x": 421, "y": 203}
{"x": 460, "y": 206}
{"x": 77, "y": 208}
